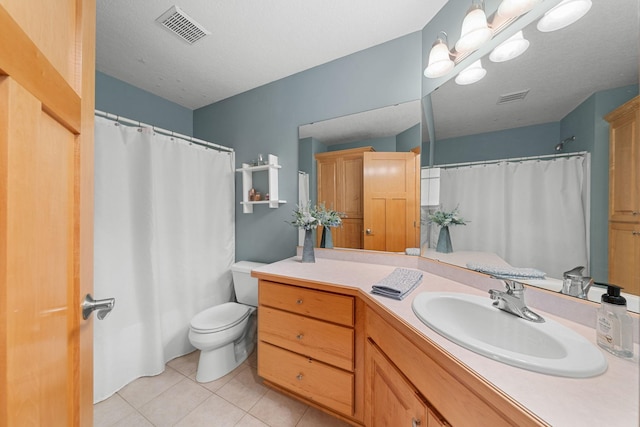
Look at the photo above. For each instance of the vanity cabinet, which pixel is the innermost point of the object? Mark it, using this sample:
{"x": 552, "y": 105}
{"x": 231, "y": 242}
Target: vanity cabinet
{"x": 340, "y": 187}
{"x": 624, "y": 195}
{"x": 306, "y": 345}
{"x": 417, "y": 376}
{"x": 391, "y": 399}
{"x": 337, "y": 349}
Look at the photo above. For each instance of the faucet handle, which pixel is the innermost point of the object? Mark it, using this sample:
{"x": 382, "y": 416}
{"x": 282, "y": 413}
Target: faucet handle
{"x": 511, "y": 284}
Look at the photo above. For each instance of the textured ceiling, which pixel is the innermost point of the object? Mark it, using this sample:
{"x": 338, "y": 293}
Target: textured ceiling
{"x": 560, "y": 69}
{"x": 378, "y": 123}
{"x": 252, "y": 42}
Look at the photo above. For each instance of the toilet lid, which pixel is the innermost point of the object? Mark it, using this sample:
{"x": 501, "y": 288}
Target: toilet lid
{"x": 220, "y": 317}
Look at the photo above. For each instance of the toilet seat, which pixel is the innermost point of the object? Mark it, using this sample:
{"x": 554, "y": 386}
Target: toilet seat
{"x": 220, "y": 317}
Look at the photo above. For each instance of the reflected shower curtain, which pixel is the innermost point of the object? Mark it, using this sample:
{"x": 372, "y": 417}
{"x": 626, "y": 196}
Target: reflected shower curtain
{"x": 164, "y": 245}
{"x": 532, "y": 213}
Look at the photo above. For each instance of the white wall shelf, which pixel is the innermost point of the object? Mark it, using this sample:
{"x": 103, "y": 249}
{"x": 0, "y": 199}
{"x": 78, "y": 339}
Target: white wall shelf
{"x": 247, "y": 171}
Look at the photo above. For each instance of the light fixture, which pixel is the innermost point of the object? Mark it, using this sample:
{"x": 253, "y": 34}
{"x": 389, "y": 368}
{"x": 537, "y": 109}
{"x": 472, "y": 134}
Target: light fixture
{"x": 471, "y": 74}
{"x": 475, "y": 30}
{"x": 512, "y": 8}
{"x": 563, "y": 14}
{"x": 440, "y": 62}
{"x": 560, "y": 145}
{"x": 511, "y": 48}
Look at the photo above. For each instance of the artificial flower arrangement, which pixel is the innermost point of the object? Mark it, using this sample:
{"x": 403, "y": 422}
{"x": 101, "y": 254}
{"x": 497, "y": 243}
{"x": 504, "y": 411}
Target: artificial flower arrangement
{"x": 329, "y": 217}
{"x": 310, "y": 217}
{"x": 445, "y": 219}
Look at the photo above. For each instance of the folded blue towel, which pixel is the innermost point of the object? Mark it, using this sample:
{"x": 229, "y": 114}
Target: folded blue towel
{"x": 398, "y": 284}
{"x": 508, "y": 272}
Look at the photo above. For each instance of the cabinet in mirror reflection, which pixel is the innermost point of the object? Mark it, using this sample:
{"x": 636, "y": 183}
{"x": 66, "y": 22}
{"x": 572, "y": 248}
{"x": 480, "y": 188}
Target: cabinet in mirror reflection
{"x": 624, "y": 196}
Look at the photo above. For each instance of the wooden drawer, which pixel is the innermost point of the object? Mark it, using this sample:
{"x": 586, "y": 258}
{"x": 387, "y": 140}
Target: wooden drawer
{"x": 319, "y": 340}
{"x": 314, "y": 380}
{"x": 317, "y": 304}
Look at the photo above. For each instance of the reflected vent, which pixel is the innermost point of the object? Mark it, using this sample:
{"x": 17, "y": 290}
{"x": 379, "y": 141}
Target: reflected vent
{"x": 512, "y": 97}
{"x": 181, "y": 24}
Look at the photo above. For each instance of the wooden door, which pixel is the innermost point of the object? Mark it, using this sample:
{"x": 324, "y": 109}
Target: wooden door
{"x": 350, "y": 234}
{"x": 46, "y": 211}
{"x": 392, "y": 401}
{"x": 624, "y": 256}
{"x": 390, "y": 201}
{"x": 624, "y": 162}
{"x": 340, "y": 188}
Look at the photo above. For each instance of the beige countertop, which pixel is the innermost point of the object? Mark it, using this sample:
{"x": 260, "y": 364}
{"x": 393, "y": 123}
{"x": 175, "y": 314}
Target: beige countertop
{"x": 610, "y": 399}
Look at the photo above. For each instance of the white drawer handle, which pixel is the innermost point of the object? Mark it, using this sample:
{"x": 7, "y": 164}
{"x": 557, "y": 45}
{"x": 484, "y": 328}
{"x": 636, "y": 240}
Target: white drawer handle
{"x": 299, "y": 377}
{"x": 299, "y": 336}
{"x": 415, "y": 423}
{"x": 299, "y": 301}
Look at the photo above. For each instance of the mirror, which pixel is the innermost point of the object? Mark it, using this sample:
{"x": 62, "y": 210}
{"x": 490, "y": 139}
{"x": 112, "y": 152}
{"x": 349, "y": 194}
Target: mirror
{"x": 561, "y": 71}
{"x": 391, "y": 129}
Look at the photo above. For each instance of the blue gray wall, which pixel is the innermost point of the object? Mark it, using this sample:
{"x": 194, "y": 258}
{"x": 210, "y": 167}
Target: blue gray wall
{"x": 403, "y": 141}
{"x": 266, "y": 119}
{"x": 387, "y": 143}
{"x": 409, "y": 139}
{"x": 534, "y": 140}
{"x": 120, "y": 98}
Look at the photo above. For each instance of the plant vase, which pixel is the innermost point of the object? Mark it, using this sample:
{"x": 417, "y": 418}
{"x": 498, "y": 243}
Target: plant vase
{"x": 327, "y": 238}
{"x": 307, "y": 249}
{"x": 444, "y": 241}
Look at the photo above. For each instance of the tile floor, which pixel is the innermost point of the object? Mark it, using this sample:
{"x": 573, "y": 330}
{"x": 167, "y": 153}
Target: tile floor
{"x": 174, "y": 398}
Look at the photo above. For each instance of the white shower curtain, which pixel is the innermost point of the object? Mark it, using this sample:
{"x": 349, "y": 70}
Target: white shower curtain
{"x": 532, "y": 213}
{"x": 164, "y": 244}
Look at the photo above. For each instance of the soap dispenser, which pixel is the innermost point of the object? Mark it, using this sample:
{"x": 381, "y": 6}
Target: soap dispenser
{"x": 614, "y": 325}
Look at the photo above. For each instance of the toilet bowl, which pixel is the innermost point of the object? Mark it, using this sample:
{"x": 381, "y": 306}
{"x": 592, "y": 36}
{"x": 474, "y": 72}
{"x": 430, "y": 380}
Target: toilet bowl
{"x": 226, "y": 334}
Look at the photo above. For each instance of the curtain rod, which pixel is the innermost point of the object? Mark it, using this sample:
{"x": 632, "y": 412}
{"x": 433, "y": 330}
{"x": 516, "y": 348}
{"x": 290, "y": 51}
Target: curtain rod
{"x": 166, "y": 132}
{"x": 514, "y": 159}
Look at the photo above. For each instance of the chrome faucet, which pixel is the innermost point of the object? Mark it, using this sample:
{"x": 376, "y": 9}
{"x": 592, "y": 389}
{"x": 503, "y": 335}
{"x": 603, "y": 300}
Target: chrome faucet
{"x": 575, "y": 284}
{"x": 512, "y": 300}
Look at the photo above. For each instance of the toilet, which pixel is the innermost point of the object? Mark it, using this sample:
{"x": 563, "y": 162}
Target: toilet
{"x": 226, "y": 334}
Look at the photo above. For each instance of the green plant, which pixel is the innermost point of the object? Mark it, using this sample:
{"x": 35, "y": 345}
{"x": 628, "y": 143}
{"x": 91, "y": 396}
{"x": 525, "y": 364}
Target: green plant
{"x": 310, "y": 217}
{"x": 445, "y": 219}
{"x": 328, "y": 217}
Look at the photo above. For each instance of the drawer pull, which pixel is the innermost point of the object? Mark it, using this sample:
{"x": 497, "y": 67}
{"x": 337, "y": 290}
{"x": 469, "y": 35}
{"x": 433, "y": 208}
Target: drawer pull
{"x": 414, "y": 422}
{"x": 636, "y": 233}
{"x": 299, "y": 377}
{"x": 299, "y": 336}
{"x": 299, "y": 301}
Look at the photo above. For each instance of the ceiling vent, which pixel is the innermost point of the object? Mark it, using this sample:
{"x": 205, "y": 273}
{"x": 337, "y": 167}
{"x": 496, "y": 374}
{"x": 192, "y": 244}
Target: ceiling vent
{"x": 512, "y": 97}
{"x": 182, "y": 25}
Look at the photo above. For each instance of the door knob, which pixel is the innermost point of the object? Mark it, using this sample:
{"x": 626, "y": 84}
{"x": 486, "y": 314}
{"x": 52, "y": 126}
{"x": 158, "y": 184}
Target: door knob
{"x": 368, "y": 231}
{"x": 104, "y": 306}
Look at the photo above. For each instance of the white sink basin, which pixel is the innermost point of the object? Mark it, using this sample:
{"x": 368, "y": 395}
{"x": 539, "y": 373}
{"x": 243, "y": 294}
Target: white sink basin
{"x": 472, "y": 322}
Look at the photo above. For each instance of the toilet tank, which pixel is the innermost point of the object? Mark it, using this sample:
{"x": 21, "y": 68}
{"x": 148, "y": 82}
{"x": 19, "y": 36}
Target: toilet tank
{"x": 246, "y": 287}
